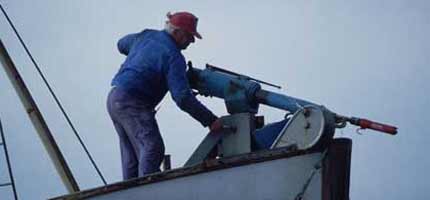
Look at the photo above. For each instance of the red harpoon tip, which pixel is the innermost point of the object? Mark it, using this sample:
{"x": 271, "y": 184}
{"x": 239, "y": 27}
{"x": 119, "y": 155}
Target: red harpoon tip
{"x": 365, "y": 123}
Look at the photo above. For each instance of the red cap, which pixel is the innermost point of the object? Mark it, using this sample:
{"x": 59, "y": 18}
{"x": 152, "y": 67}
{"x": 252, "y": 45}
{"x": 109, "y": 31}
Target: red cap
{"x": 185, "y": 21}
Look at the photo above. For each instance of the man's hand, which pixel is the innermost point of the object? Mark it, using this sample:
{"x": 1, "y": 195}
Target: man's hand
{"x": 216, "y": 125}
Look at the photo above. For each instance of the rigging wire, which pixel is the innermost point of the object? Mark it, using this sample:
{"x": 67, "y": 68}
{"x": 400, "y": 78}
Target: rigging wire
{"x": 9, "y": 167}
{"x": 53, "y": 95}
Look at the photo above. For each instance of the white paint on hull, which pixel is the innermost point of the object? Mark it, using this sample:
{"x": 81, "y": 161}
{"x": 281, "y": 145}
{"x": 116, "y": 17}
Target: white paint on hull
{"x": 270, "y": 180}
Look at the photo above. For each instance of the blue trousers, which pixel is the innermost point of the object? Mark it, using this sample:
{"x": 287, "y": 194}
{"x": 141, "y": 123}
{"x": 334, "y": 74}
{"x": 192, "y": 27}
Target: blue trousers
{"x": 142, "y": 147}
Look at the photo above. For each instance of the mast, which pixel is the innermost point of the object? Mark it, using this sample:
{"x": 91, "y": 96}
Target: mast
{"x": 38, "y": 122}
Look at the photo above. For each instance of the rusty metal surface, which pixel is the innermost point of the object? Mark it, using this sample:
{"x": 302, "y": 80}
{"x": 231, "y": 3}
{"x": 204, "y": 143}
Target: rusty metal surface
{"x": 336, "y": 170}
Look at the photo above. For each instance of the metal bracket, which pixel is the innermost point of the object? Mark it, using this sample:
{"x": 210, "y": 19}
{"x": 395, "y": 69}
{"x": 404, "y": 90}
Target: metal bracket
{"x": 205, "y": 147}
{"x": 240, "y": 141}
{"x": 235, "y": 138}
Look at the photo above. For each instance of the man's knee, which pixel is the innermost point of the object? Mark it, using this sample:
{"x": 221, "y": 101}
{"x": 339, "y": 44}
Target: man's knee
{"x": 154, "y": 146}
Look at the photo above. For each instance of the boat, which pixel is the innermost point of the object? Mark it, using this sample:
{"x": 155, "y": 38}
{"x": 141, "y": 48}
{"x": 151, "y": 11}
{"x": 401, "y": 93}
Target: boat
{"x": 271, "y": 175}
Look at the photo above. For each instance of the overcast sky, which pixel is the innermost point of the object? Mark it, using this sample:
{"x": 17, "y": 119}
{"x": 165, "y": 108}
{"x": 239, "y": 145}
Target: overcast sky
{"x": 360, "y": 58}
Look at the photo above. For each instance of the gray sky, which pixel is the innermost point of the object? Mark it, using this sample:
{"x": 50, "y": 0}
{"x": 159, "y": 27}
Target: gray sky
{"x": 361, "y": 58}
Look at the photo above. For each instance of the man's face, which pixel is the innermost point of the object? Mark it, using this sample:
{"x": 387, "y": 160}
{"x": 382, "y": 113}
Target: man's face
{"x": 184, "y": 39}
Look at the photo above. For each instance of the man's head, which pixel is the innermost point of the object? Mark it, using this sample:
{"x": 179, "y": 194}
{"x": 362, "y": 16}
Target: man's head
{"x": 183, "y": 28}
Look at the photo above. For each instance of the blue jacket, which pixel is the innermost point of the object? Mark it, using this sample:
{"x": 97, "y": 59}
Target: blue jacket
{"x": 155, "y": 65}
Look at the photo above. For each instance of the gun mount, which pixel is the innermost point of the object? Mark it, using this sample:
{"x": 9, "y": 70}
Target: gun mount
{"x": 310, "y": 126}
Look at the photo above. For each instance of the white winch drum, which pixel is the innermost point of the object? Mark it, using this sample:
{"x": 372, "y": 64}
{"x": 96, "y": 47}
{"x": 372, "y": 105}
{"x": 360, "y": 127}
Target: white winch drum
{"x": 304, "y": 130}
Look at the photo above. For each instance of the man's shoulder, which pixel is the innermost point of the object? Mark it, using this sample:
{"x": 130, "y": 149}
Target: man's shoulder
{"x": 149, "y": 32}
{"x": 161, "y": 41}
{"x": 163, "y": 38}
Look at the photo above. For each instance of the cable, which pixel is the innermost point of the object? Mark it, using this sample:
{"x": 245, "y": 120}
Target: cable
{"x": 53, "y": 95}
{"x": 9, "y": 168}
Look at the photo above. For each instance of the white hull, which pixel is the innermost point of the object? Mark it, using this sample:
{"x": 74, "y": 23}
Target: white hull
{"x": 270, "y": 175}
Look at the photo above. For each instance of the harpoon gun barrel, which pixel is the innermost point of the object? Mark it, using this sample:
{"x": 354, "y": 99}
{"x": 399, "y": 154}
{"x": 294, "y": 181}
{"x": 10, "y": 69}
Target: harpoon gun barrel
{"x": 242, "y": 93}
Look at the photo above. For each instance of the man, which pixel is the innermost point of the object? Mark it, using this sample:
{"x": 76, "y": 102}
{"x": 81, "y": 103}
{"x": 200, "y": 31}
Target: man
{"x": 154, "y": 65}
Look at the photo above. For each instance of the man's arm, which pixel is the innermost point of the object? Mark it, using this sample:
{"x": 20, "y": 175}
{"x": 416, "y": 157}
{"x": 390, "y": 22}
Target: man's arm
{"x": 181, "y": 92}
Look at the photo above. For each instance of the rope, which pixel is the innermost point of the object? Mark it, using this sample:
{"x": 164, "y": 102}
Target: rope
{"x": 9, "y": 168}
{"x": 316, "y": 168}
{"x": 53, "y": 95}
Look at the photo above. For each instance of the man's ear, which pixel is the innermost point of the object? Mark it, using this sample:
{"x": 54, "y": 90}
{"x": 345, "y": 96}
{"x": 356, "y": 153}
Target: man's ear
{"x": 175, "y": 33}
